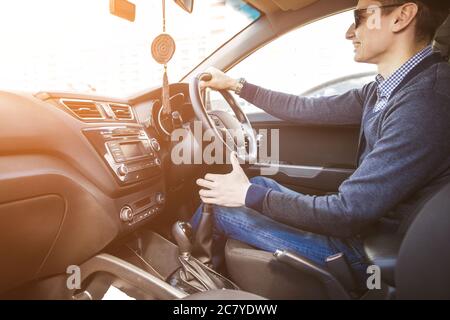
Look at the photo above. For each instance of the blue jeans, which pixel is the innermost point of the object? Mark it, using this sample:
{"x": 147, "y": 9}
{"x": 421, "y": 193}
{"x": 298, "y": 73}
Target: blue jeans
{"x": 259, "y": 231}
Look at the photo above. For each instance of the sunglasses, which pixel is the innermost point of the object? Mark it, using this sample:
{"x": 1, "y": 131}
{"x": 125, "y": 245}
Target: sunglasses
{"x": 360, "y": 13}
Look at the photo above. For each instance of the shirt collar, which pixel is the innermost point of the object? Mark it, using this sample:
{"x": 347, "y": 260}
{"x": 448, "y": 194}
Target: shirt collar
{"x": 386, "y": 87}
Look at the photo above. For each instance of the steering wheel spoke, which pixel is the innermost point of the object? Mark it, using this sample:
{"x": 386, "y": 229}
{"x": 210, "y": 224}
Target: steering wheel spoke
{"x": 235, "y": 131}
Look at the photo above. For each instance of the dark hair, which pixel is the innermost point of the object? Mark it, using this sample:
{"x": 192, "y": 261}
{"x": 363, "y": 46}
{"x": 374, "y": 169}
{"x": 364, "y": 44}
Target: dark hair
{"x": 430, "y": 16}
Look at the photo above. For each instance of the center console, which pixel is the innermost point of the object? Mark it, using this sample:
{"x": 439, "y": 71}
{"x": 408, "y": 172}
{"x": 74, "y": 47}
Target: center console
{"x": 141, "y": 269}
{"x": 129, "y": 152}
{"x": 132, "y": 156}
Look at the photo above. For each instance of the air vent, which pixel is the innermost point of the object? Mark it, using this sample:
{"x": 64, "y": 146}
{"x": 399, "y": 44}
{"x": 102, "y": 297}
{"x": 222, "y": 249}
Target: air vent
{"x": 86, "y": 110}
{"x": 121, "y": 111}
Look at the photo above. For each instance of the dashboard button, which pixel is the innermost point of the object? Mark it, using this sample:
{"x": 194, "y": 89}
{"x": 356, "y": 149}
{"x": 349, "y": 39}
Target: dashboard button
{"x": 155, "y": 145}
{"x": 160, "y": 198}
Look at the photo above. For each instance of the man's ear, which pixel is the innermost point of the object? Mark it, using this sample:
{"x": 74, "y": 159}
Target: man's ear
{"x": 404, "y": 17}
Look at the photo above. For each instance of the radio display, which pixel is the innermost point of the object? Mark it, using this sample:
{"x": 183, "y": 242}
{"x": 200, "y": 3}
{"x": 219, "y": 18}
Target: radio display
{"x": 131, "y": 150}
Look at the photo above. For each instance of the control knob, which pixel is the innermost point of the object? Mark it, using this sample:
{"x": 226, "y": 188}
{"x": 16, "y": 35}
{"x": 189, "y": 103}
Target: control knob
{"x": 122, "y": 170}
{"x": 126, "y": 214}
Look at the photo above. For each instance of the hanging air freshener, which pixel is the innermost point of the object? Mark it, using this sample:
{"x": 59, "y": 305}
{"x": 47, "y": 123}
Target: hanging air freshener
{"x": 163, "y": 48}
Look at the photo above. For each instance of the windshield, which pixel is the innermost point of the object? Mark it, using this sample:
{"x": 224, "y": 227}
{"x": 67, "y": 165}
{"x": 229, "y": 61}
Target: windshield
{"x": 77, "y": 46}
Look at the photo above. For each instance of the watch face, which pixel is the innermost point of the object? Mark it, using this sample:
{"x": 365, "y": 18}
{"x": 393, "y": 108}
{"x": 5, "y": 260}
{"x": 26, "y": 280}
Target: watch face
{"x": 240, "y": 85}
{"x": 238, "y": 88}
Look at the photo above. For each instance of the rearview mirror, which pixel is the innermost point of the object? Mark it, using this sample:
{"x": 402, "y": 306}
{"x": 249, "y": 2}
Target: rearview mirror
{"x": 123, "y": 9}
{"x": 186, "y": 5}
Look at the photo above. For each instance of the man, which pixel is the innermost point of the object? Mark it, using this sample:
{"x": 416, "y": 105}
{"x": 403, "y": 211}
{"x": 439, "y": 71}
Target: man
{"x": 404, "y": 152}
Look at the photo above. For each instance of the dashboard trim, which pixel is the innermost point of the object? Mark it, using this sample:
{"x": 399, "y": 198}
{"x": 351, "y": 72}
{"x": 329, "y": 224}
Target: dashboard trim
{"x": 100, "y": 109}
{"x": 133, "y": 118}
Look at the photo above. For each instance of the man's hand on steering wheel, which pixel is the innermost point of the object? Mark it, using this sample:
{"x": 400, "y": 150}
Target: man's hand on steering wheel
{"x": 219, "y": 81}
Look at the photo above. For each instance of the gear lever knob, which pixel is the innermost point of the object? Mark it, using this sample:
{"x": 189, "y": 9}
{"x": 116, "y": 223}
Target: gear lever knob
{"x": 182, "y": 233}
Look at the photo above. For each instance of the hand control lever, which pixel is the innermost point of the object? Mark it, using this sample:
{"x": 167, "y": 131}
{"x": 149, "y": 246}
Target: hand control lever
{"x": 195, "y": 271}
{"x": 203, "y": 240}
{"x": 182, "y": 233}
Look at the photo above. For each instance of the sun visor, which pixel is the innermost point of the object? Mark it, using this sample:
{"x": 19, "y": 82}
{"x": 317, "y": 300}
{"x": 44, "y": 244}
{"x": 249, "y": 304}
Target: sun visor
{"x": 268, "y": 6}
{"x": 286, "y": 5}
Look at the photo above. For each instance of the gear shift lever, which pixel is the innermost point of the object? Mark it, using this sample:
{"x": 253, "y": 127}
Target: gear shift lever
{"x": 182, "y": 233}
{"x": 194, "y": 272}
{"x": 203, "y": 242}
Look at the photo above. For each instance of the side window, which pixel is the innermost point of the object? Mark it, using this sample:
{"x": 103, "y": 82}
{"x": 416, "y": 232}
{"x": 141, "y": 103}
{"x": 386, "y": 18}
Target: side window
{"x": 314, "y": 60}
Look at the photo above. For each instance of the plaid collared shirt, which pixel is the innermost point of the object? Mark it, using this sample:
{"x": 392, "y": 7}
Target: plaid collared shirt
{"x": 386, "y": 87}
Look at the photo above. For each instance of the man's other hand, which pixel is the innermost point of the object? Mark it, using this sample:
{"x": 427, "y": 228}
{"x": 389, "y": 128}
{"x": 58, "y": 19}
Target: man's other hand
{"x": 227, "y": 190}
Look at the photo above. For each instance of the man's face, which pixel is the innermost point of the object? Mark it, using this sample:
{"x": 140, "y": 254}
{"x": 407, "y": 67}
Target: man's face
{"x": 373, "y": 36}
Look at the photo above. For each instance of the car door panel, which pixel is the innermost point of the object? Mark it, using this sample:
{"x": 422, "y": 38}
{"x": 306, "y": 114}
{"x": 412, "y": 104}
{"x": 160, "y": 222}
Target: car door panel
{"x": 312, "y": 159}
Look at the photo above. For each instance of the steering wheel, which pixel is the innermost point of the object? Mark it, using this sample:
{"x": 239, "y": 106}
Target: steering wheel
{"x": 235, "y": 132}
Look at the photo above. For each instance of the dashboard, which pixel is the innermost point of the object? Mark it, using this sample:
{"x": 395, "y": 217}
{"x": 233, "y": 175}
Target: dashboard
{"x": 76, "y": 173}
{"x": 150, "y": 113}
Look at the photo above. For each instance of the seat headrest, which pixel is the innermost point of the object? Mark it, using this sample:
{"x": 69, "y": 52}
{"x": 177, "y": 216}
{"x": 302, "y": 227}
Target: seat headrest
{"x": 442, "y": 39}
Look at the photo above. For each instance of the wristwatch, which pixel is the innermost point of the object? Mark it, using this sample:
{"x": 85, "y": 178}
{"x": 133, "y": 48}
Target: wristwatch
{"x": 239, "y": 86}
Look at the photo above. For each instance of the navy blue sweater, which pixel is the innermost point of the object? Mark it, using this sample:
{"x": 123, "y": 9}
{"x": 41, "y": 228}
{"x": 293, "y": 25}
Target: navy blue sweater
{"x": 404, "y": 154}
